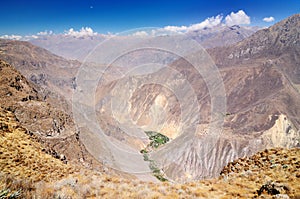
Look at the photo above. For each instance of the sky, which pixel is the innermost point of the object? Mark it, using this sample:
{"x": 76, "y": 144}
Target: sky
{"x": 29, "y": 17}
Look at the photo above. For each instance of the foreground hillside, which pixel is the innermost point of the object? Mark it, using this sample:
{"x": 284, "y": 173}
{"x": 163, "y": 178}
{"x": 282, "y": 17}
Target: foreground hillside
{"x": 27, "y": 171}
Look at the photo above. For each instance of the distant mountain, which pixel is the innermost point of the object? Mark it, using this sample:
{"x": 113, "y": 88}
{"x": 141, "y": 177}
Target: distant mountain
{"x": 277, "y": 45}
{"x": 221, "y": 35}
{"x": 70, "y": 47}
{"x": 77, "y": 48}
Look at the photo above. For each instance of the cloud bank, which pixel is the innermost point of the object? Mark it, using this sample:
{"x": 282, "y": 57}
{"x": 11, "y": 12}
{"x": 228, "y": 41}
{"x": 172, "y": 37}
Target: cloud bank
{"x": 268, "y": 19}
{"x": 238, "y": 18}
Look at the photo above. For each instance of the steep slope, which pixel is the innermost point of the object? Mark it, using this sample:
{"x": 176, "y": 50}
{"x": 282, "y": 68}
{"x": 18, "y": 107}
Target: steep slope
{"x": 49, "y": 71}
{"x": 52, "y": 127}
{"x": 53, "y": 78}
{"x": 24, "y": 157}
{"x": 275, "y": 51}
{"x": 21, "y": 97}
{"x": 277, "y": 46}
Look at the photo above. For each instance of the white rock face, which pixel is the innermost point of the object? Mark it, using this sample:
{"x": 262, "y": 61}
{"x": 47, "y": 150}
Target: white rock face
{"x": 282, "y": 134}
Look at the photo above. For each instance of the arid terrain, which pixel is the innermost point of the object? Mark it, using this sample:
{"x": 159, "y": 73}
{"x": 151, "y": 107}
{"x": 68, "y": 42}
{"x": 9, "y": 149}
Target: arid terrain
{"x": 249, "y": 149}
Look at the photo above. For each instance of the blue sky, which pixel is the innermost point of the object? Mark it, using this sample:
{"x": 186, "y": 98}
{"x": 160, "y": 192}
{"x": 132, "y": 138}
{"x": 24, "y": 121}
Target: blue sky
{"x": 32, "y": 16}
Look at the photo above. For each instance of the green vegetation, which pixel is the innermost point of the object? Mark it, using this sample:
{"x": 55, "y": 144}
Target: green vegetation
{"x": 146, "y": 158}
{"x": 156, "y": 171}
{"x": 6, "y": 193}
{"x": 226, "y": 114}
{"x": 157, "y": 140}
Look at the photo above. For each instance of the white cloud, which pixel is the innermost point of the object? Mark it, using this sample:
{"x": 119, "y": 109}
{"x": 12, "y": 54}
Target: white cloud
{"x": 268, "y": 19}
{"x": 175, "y": 28}
{"x": 28, "y": 37}
{"x": 84, "y": 31}
{"x": 12, "y": 37}
{"x": 207, "y": 23}
{"x": 140, "y": 34}
{"x": 19, "y": 37}
{"x": 237, "y": 18}
{"x": 45, "y": 33}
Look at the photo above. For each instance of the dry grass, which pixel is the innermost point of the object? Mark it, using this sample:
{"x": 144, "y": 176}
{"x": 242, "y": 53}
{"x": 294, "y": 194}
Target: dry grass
{"x": 23, "y": 157}
{"x": 279, "y": 166}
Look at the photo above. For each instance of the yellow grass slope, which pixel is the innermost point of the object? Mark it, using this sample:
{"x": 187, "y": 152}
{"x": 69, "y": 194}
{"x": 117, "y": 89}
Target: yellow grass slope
{"x": 23, "y": 157}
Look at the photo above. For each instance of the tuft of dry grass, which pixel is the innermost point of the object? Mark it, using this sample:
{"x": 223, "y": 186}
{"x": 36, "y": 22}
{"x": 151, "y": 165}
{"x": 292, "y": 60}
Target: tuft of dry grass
{"x": 19, "y": 188}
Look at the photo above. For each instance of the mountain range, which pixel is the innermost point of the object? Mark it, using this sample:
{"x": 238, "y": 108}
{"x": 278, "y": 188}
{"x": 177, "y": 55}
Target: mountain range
{"x": 74, "y": 47}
